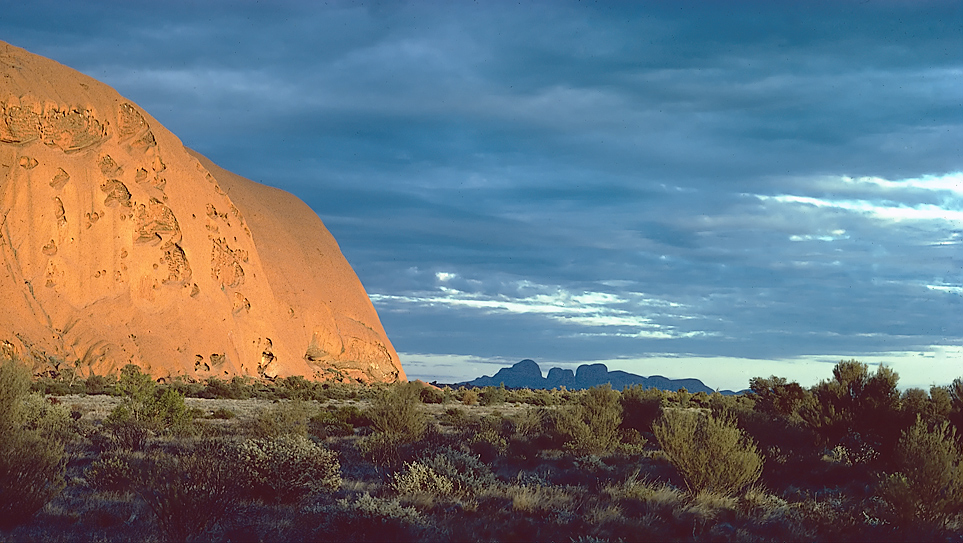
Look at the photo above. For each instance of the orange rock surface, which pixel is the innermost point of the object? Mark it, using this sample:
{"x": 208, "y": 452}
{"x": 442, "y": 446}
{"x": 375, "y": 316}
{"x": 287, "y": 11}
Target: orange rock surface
{"x": 119, "y": 245}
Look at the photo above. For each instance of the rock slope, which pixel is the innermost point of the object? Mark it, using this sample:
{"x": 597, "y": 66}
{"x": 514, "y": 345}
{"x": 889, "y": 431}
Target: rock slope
{"x": 119, "y": 245}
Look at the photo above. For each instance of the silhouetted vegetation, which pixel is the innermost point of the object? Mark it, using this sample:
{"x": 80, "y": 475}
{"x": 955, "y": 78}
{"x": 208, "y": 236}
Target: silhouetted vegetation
{"x": 852, "y": 458}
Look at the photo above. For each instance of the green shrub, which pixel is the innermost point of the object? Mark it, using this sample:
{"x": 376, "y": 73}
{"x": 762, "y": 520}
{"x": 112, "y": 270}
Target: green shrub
{"x": 125, "y": 431}
{"x": 32, "y": 471}
{"x": 283, "y": 418}
{"x": 467, "y": 473}
{"x": 381, "y": 448}
{"x": 775, "y": 396}
{"x": 147, "y": 407}
{"x": 711, "y": 453}
{"x": 223, "y": 413}
{"x": 592, "y": 426}
{"x": 489, "y": 438}
{"x": 929, "y": 484}
{"x": 32, "y": 465}
{"x": 238, "y": 388}
{"x": 855, "y": 401}
{"x": 14, "y": 386}
{"x": 397, "y": 412}
{"x": 326, "y": 424}
{"x": 469, "y": 397}
{"x": 287, "y": 468}
{"x": 454, "y": 416}
{"x": 367, "y": 518}
{"x": 419, "y": 478}
{"x": 431, "y": 394}
{"x": 169, "y": 412}
{"x": 492, "y": 395}
{"x": 51, "y": 420}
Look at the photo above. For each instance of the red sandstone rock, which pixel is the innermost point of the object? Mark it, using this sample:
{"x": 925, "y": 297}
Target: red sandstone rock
{"x": 119, "y": 245}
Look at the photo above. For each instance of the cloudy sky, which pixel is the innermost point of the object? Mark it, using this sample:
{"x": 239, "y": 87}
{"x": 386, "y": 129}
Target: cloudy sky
{"x": 712, "y": 190}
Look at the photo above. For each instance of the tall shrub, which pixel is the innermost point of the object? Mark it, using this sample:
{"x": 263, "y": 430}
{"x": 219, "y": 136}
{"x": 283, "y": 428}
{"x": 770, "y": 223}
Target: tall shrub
{"x": 592, "y": 426}
{"x": 857, "y": 403}
{"x": 398, "y": 412}
{"x": 710, "y": 452}
{"x": 32, "y": 465}
{"x": 398, "y": 418}
{"x": 929, "y": 484}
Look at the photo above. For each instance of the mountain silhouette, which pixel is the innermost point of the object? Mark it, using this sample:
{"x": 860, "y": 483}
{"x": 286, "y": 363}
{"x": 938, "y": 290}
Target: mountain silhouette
{"x": 527, "y": 374}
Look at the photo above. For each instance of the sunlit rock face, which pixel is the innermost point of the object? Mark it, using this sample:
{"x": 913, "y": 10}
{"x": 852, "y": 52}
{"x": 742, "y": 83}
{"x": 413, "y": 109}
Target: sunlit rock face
{"x": 119, "y": 245}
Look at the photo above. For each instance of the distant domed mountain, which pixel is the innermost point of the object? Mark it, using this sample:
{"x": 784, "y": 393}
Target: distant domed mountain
{"x": 119, "y": 245}
{"x": 527, "y": 374}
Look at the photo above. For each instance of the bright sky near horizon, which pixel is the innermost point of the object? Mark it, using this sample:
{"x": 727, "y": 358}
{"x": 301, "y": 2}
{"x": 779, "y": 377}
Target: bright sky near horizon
{"x": 715, "y": 190}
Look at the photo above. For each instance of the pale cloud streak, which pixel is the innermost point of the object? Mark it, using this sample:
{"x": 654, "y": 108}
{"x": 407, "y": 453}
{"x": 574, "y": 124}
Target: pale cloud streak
{"x": 629, "y": 314}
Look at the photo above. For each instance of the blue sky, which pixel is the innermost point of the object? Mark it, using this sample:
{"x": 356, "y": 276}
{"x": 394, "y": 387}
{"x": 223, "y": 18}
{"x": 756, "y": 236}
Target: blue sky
{"x": 690, "y": 189}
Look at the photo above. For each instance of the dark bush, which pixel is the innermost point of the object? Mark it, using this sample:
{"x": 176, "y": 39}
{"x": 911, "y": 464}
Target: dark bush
{"x": 857, "y": 402}
{"x": 777, "y": 397}
{"x": 641, "y": 407}
{"x": 190, "y": 489}
{"x": 928, "y": 487}
{"x": 327, "y": 424}
{"x": 431, "y": 394}
{"x": 99, "y": 384}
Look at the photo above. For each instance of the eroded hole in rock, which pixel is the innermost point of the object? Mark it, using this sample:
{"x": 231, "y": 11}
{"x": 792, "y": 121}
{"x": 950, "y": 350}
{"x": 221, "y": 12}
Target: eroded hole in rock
{"x": 225, "y": 264}
{"x": 218, "y": 359}
{"x": 117, "y": 193}
{"x": 60, "y": 213}
{"x": 71, "y": 130}
{"x": 241, "y": 303}
{"x": 130, "y": 122}
{"x": 199, "y": 364}
{"x": 178, "y": 269}
{"x": 109, "y": 167}
{"x": 154, "y": 221}
{"x": 60, "y": 179}
{"x": 20, "y": 125}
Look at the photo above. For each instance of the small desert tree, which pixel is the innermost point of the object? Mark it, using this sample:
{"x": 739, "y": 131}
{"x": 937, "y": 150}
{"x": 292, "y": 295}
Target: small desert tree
{"x": 710, "y": 452}
{"x": 145, "y": 408}
{"x": 856, "y": 402}
{"x": 776, "y": 396}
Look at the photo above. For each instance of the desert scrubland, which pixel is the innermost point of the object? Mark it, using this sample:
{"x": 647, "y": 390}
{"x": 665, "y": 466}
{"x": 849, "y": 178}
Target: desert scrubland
{"x": 129, "y": 459}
